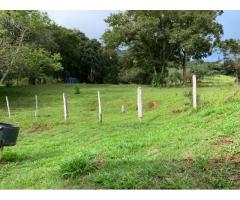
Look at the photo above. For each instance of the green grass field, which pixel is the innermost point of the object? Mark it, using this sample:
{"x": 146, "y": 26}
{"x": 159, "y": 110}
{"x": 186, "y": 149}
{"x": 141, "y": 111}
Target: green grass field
{"x": 175, "y": 147}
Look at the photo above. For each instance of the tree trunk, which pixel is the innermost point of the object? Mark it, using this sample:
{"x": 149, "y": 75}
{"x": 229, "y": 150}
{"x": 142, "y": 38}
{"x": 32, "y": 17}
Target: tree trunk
{"x": 90, "y": 76}
{"x": 32, "y": 81}
{"x": 13, "y": 59}
{"x": 154, "y": 70}
{"x": 184, "y": 67}
{"x": 163, "y": 70}
{"x": 237, "y": 77}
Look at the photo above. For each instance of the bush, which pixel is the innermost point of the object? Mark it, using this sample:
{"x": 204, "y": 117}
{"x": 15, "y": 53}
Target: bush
{"x": 133, "y": 75}
{"x": 158, "y": 80}
{"x": 76, "y": 90}
{"x": 8, "y": 84}
{"x": 174, "y": 77}
{"x": 77, "y": 167}
{"x": 202, "y": 69}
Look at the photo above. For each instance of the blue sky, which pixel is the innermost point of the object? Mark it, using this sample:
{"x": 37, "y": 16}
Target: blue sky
{"x": 92, "y": 23}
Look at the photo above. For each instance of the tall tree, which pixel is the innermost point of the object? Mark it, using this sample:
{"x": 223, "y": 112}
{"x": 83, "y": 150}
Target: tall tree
{"x": 231, "y": 53}
{"x": 156, "y": 38}
{"x": 82, "y": 57}
{"x": 36, "y": 64}
{"x": 18, "y": 28}
{"x": 70, "y": 44}
{"x": 196, "y": 33}
{"x": 146, "y": 36}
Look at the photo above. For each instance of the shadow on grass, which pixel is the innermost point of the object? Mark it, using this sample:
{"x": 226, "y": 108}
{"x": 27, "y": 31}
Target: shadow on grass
{"x": 10, "y": 157}
{"x": 162, "y": 174}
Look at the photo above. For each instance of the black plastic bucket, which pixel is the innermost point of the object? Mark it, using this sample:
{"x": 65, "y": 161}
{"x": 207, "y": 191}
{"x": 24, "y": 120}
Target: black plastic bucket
{"x": 8, "y": 134}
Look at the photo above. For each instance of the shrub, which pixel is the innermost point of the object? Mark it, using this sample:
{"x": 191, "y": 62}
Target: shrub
{"x": 77, "y": 167}
{"x": 14, "y": 157}
{"x": 158, "y": 80}
{"x": 174, "y": 77}
{"x": 76, "y": 90}
{"x": 133, "y": 75}
{"x": 8, "y": 84}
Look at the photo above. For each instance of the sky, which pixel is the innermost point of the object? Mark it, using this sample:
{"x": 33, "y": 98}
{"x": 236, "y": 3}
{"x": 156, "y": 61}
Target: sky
{"x": 92, "y": 23}
{"x": 89, "y": 22}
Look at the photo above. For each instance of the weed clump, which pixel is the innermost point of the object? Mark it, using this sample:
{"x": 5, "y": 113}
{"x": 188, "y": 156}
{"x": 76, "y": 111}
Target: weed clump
{"x": 76, "y": 90}
{"x": 14, "y": 157}
{"x": 77, "y": 167}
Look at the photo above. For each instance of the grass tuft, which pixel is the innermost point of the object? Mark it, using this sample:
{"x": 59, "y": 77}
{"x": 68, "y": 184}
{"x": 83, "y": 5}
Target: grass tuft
{"x": 76, "y": 90}
{"x": 76, "y": 167}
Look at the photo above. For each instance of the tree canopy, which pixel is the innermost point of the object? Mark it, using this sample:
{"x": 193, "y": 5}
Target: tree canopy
{"x": 155, "y": 39}
{"x": 22, "y": 33}
{"x": 34, "y": 47}
{"x": 231, "y": 53}
{"x": 147, "y": 46}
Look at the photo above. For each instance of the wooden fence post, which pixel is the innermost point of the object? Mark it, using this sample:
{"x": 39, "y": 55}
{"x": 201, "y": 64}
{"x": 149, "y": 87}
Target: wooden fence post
{"x": 139, "y": 104}
{"x": 36, "y": 110}
{"x": 194, "y": 91}
{"x": 8, "y": 108}
{"x": 99, "y": 108}
{"x": 65, "y": 107}
{"x": 1, "y": 153}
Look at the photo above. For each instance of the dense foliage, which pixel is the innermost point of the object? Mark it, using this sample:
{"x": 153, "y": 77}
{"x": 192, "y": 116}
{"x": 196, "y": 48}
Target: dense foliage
{"x": 22, "y": 35}
{"x": 155, "y": 47}
{"x": 231, "y": 52}
{"x": 34, "y": 47}
{"x": 156, "y": 40}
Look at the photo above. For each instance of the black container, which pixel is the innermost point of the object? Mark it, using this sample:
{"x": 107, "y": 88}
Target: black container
{"x": 8, "y": 134}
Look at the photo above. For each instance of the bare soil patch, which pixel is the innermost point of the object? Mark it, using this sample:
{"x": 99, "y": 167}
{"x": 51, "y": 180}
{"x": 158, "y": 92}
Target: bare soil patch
{"x": 153, "y": 105}
{"x": 153, "y": 150}
{"x": 100, "y": 160}
{"x": 159, "y": 178}
{"x": 225, "y": 141}
{"x": 236, "y": 156}
{"x": 39, "y": 127}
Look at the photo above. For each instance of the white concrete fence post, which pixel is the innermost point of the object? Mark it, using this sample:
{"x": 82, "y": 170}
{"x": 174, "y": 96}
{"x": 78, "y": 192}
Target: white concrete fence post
{"x": 65, "y": 107}
{"x": 194, "y": 91}
{"x": 99, "y": 108}
{"x": 139, "y": 104}
{"x": 8, "y": 108}
{"x": 122, "y": 109}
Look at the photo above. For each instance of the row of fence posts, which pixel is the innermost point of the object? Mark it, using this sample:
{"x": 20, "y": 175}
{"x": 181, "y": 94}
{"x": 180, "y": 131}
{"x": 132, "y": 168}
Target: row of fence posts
{"x": 139, "y": 103}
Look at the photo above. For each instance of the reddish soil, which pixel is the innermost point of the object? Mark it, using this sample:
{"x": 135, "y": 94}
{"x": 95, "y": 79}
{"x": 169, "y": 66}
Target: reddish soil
{"x": 2, "y": 164}
{"x": 37, "y": 127}
{"x": 236, "y": 156}
{"x": 237, "y": 164}
{"x": 159, "y": 178}
{"x": 153, "y": 105}
{"x": 224, "y": 141}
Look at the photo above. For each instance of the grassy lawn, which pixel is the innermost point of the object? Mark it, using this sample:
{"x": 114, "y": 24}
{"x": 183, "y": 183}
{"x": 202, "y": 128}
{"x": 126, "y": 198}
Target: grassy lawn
{"x": 174, "y": 148}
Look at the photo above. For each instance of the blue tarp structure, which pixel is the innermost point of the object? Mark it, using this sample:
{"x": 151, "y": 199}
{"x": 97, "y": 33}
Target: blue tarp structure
{"x": 72, "y": 80}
